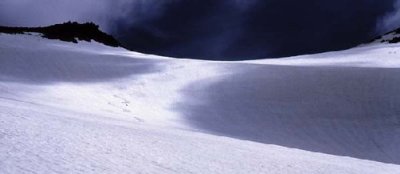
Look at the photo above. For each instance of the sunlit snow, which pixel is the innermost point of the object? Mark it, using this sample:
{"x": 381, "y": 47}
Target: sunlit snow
{"x": 89, "y": 108}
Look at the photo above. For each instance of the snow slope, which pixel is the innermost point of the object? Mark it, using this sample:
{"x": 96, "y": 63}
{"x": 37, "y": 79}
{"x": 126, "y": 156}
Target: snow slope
{"x": 89, "y": 108}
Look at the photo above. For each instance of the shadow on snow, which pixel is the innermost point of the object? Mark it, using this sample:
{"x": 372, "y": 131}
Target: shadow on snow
{"x": 341, "y": 111}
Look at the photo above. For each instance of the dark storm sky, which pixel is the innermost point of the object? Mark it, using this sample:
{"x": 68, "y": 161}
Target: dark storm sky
{"x": 219, "y": 29}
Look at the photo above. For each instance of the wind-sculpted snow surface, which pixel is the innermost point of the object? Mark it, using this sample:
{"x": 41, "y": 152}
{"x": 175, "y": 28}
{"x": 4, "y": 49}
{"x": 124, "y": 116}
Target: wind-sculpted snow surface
{"x": 345, "y": 111}
{"x": 89, "y": 108}
{"x": 42, "y": 63}
{"x": 343, "y": 103}
{"x": 44, "y": 140}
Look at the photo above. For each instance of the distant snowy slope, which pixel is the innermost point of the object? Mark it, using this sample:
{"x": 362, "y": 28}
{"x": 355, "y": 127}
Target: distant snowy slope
{"x": 372, "y": 55}
{"x": 89, "y": 108}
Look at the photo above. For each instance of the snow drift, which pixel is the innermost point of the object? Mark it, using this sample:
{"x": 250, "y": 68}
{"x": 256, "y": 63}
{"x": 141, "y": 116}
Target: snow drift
{"x": 89, "y": 108}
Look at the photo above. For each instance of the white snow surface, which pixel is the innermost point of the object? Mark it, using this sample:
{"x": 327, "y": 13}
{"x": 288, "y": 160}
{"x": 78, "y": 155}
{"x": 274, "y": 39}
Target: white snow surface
{"x": 89, "y": 108}
{"x": 376, "y": 54}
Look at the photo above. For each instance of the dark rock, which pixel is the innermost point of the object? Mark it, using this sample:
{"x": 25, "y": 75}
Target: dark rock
{"x": 69, "y": 32}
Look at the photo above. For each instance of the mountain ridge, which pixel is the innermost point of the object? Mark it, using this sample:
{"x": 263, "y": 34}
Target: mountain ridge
{"x": 390, "y": 37}
{"x": 69, "y": 32}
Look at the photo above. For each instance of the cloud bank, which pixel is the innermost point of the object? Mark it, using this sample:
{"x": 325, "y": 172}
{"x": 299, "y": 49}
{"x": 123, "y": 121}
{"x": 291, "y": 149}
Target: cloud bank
{"x": 238, "y": 29}
{"x": 390, "y": 21}
{"x": 218, "y": 29}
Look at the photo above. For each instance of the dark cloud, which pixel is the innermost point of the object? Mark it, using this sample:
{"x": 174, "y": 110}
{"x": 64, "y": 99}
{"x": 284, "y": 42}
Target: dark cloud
{"x": 272, "y": 28}
{"x": 201, "y": 27}
{"x": 219, "y": 29}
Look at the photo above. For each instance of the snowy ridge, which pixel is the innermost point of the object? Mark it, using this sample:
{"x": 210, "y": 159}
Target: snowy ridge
{"x": 89, "y": 108}
{"x": 390, "y": 37}
{"x": 371, "y": 55}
